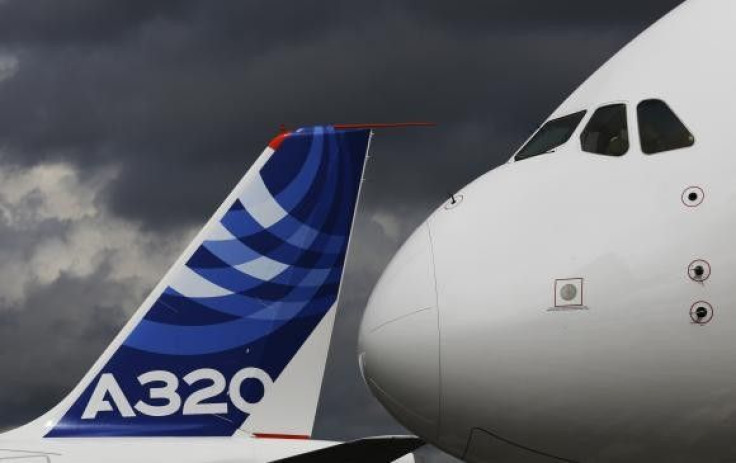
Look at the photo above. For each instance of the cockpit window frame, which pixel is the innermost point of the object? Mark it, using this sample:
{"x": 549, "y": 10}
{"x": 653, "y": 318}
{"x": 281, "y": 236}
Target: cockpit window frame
{"x": 673, "y": 113}
{"x": 629, "y": 127}
{"x": 581, "y": 116}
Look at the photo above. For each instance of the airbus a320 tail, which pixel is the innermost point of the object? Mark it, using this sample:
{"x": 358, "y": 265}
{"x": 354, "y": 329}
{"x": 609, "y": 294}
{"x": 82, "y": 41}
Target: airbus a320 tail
{"x": 223, "y": 362}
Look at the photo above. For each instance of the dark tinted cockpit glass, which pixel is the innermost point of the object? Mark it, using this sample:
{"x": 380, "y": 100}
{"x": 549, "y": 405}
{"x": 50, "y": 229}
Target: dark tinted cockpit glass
{"x": 552, "y": 134}
{"x": 660, "y": 129}
{"x": 607, "y": 132}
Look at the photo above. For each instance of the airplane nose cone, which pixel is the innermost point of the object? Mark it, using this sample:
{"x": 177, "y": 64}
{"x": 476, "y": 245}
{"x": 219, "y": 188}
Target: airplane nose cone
{"x": 399, "y": 339}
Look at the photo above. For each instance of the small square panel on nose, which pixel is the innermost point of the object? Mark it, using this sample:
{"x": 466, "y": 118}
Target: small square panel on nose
{"x": 569, "y": 292}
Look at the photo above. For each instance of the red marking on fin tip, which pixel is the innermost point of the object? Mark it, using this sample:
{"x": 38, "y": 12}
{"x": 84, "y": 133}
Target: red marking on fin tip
{"x": 384, "y": 125}
{"x": 281, "y": 436}
{"x": 277, "y": 140}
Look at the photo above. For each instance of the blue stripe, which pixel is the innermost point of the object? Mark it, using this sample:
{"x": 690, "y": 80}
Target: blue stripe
{"x": 158, "y": 338}
{"x": 314, "y": 176}
{"x": 297, "y": 189}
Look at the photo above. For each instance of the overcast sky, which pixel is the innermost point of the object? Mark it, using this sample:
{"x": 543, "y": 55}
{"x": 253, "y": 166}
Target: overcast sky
{"x": 123, "y": 125}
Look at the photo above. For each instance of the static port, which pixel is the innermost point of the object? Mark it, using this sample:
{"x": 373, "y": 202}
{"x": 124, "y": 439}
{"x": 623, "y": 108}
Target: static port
{"x": 699, "y": 270}
{"x": 701, "y": 313}
{"x": 693, "y": 196}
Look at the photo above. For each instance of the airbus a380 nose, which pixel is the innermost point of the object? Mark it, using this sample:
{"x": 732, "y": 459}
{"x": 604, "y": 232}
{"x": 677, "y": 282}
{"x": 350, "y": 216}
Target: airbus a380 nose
{"x": 578, "y": 303}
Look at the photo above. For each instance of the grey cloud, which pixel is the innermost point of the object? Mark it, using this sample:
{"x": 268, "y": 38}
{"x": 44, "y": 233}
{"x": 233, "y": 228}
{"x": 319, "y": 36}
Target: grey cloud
{"x": 182, "y": 89}
{"x": 66, "y": 336}
{"x": 76, "y": 21}
{"x": 70, "y": 275}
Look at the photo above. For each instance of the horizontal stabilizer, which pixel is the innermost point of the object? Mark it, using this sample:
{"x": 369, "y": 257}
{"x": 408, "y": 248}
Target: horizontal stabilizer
{"x": 368, "y": 450}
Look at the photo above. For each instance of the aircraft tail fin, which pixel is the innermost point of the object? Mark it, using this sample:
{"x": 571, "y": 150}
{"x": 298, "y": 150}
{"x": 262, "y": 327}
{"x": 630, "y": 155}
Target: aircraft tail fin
{"x": 235, "y": 336}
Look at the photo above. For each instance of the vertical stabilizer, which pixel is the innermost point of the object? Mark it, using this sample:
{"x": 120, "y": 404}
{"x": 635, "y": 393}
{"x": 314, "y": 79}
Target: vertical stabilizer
{"x": 235, "y": 336}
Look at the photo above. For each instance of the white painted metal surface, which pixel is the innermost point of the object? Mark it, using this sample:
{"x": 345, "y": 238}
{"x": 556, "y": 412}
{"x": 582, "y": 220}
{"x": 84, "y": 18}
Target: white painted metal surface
{"x": 627, "y": 374}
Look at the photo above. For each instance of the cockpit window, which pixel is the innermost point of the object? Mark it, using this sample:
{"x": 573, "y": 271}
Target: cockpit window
{"x": 607, "y": 131}
{"x": 660, "y": 129}
{"x": 552, "y": 134}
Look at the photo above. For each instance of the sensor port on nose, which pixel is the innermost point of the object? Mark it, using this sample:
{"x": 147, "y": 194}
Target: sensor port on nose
{"x": 699, "y": 270}
{"x": 701, "y": 313}
{"x": 693, "y": 196}
{"x": 454, "y": 201}
{"x": 569, "y": 293}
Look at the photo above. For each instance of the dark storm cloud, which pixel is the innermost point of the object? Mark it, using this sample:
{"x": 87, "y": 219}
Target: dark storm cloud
{"x": 180, "y": 96}
{"x": 85, "y": 21}
{"x": 35, "y": 374}
{"x": 184, "y": 94}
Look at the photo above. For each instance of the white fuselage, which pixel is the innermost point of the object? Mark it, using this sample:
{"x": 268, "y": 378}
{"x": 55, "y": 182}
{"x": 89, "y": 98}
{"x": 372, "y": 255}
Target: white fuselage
{"x": 462, "y": 341}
